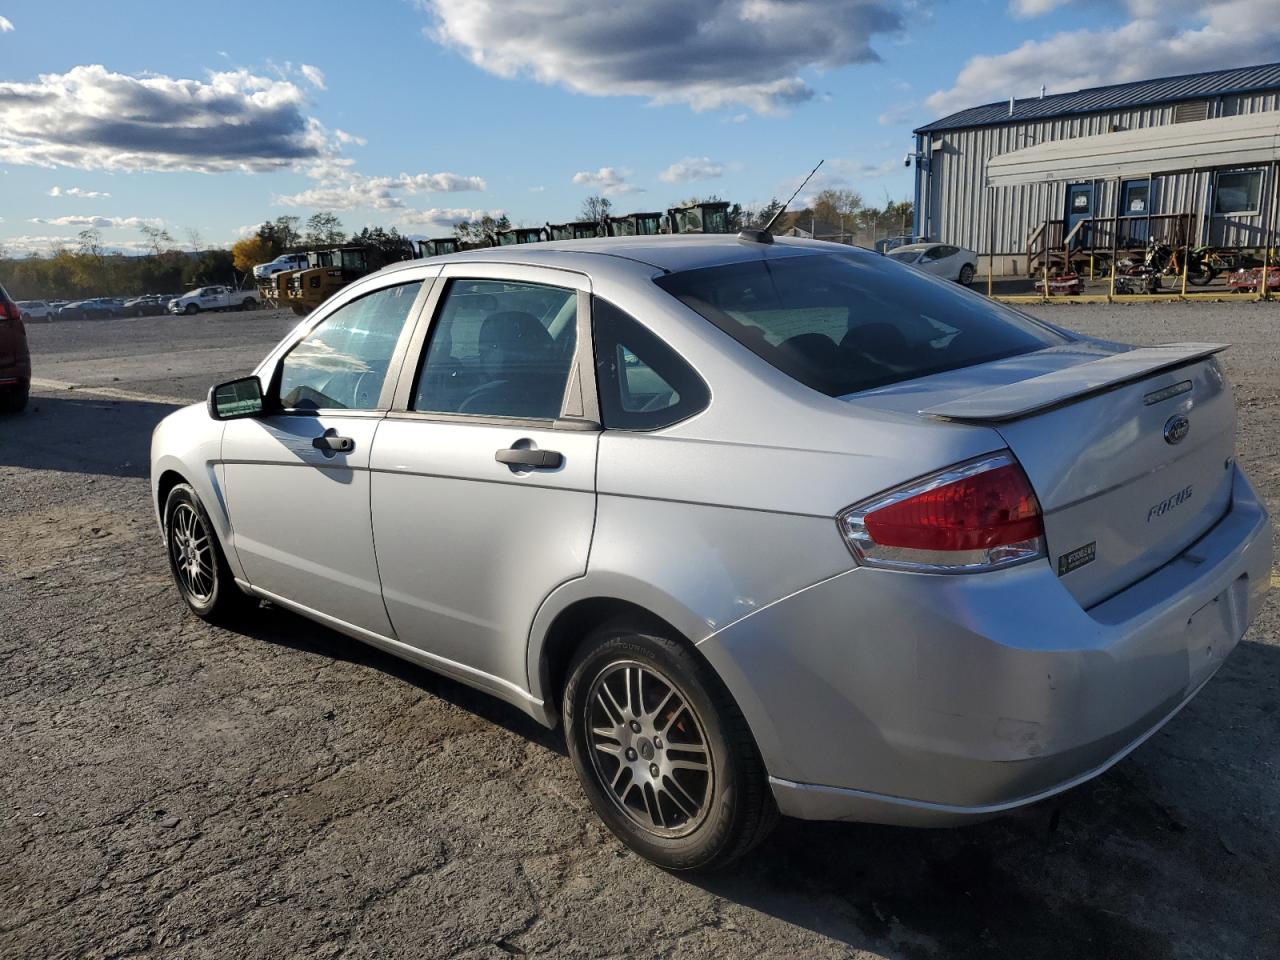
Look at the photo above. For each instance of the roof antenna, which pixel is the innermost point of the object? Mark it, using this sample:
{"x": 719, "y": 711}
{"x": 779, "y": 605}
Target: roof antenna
{"x": 765, "y": 236}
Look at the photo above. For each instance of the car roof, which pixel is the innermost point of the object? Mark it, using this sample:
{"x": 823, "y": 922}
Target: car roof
{"x": 910, "y": 247}
{"x": 668, "y": 253}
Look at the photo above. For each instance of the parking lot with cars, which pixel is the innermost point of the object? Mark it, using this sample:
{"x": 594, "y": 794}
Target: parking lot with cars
{"x": 280, "y": 790}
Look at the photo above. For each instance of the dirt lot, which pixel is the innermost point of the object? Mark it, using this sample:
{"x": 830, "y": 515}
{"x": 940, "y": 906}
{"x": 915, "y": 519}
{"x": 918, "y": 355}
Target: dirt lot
{"x": 175, "y": 790}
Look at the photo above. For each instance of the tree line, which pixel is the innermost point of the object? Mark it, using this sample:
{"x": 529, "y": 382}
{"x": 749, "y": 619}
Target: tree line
{"x": 87, "y": 268}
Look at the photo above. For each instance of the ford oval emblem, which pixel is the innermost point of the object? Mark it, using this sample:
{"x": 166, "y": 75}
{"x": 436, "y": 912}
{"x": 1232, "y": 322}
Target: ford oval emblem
{"x": 1176, "y": 429}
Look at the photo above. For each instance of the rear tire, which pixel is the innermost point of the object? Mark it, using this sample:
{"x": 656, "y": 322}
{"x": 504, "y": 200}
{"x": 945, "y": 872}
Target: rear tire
{"x": 13, "y": 398}
{"x": 663, "y": 754}
{"x": 196, "y": 561}
{"x": 966, "y": 275}
{"x": 248, "y": 303}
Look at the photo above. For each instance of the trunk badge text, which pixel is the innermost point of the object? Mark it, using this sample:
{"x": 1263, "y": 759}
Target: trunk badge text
{"x": 1168, "y": 503}
{"x": 1176, "y": 429}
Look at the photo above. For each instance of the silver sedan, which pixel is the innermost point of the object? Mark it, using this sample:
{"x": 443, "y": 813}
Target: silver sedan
{"x": 767, "y": 526}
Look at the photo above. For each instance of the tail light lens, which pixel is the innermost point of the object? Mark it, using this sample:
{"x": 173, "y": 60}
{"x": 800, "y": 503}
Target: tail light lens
{"x": 9, "y": 310}
{"x": 975, "y": 516}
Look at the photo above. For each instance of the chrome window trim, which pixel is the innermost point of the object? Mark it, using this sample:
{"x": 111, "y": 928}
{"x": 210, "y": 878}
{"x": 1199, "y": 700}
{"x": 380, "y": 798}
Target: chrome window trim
{"x": 267, "y": 371}
{"x": 579, "y": 407}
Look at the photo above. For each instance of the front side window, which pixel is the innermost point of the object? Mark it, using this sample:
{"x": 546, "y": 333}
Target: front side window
{"x": 499, "y": 349}
{"x": 342, "y": 363}
{"x": 643, "y": 383}
{"x": 841, "y": 323}
{"x": 1238, "y": 192}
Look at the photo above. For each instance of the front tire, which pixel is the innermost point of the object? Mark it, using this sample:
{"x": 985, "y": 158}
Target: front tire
{"x": 662, "y": 751}
{"x": 191, "y": 309}
{"x": 196, "y": 560}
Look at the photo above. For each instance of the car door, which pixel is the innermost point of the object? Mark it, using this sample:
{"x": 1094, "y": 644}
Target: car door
{"x": 212, "y": 297}
{"x": 483, "y": 473}
{"x": 297, "y": 479}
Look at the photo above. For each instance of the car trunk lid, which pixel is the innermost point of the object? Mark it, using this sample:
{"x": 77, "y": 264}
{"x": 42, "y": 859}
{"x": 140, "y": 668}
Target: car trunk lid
{"x": 1129, "y": 451}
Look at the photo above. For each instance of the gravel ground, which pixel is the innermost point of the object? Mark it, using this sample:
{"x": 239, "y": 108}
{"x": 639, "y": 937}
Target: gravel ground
{"x": 176, "y": 790}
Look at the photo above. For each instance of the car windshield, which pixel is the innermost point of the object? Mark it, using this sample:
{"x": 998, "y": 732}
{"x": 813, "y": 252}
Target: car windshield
{"x": 842, "y": 323}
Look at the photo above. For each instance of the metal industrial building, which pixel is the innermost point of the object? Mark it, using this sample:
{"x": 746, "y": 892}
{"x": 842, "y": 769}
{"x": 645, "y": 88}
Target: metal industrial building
{"x": 1190, "y": 160}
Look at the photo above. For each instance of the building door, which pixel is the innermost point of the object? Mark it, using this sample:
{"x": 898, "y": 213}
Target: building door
{"x": 1079, "y": 208}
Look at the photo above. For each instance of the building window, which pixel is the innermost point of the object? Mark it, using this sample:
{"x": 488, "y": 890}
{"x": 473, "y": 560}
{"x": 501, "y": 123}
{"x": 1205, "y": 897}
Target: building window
{"x": 1135, "y": 198}
{"x": 1237, "y": 193}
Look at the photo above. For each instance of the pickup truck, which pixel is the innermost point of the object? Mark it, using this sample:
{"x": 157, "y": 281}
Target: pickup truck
{"x": 286, "y": 261}
{"x": 213, "y": 298}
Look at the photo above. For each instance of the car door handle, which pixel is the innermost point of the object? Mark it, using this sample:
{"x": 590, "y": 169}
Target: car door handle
{"x": 331, "y": 443}
{"x": 520, "y": 457}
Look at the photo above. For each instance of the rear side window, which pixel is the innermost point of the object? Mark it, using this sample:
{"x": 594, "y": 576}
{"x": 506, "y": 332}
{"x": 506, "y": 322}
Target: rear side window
{"x": 842, "y": 323}
{"x": 643, "y": 383}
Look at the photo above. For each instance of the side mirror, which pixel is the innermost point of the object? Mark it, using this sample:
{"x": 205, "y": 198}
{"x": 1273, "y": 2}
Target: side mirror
{"x": 236, "y": 399}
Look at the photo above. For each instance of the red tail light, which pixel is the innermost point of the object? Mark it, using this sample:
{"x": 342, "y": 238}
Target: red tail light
{"x": 9, "y": 310}
{"x": 974, "y": 516}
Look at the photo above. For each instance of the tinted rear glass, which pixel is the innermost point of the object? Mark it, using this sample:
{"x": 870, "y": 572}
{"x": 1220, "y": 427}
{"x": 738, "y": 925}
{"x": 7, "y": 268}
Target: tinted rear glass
{"x": 841, "y": 323}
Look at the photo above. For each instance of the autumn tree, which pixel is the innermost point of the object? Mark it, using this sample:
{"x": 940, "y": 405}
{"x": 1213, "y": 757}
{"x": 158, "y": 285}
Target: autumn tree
{"x": 251, "y": 251}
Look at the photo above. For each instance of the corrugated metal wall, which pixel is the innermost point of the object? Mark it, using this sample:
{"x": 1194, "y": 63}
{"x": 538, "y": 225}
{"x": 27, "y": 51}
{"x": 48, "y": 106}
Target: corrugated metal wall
{"x": 960, "y": 206}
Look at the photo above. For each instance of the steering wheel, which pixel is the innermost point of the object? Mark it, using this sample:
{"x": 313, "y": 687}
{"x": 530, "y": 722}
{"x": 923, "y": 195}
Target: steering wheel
{"x": 479, "y": 394}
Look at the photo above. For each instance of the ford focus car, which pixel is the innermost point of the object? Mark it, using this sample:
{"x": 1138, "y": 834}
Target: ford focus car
{"x": 768, "y": 527}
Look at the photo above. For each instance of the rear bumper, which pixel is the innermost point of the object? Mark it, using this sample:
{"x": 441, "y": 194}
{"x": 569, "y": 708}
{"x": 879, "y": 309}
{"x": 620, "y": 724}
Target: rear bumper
{"x": 928, "y": 700}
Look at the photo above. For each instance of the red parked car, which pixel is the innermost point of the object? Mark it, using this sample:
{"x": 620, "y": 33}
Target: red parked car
{"x": 15, "y": 358}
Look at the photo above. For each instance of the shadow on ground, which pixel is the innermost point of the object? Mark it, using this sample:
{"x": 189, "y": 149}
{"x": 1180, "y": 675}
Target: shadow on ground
{"x": 1172, "y": 852}
{"x": 1152, "y": 860}
{"x": 283, "y": 628}
{"x": 86, "y": 434}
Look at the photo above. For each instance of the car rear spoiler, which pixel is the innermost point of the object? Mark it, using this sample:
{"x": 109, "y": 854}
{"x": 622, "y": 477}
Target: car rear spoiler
{"x": 1016, "y": 400}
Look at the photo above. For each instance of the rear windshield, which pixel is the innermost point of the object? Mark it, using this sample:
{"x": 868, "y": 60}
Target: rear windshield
{"x": 841, "y": 323}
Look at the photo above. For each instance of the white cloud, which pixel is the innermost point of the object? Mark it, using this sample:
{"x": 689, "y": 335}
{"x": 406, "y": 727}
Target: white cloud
{"x": 78, "y": 193}
{"x": 352, "y": 191}
{"x": 313, "y": 76}
{"x": 692, "y": 168}
{"x": 896, "y": 113}
{"x": 348, "y": 138}
{"x": 1025, "y": 9}
{"x": 1160, "y": 39}
{"x": 444, "y": 218}
{"x": 90, "y": 118}
{"x": 99, "y": 223}
{"x": 6, "y": 25}
{"x": 707, "y": 54}
{"x": 611, "y": 181}
{"x": 536, "y": 189}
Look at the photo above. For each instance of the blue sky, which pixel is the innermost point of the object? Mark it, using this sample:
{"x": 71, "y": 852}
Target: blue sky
{"x": 414, "y": 113}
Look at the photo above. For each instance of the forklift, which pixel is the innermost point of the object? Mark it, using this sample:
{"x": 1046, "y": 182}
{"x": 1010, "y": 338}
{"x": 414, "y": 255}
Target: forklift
{"x": 635, "y": 225}
{"x": 521, "y": 235}
{"x": 327, "y": 272}
{"x": 574, "y": 230}
{"x": 438, "y": 247}
{"x": 700, "y": 218}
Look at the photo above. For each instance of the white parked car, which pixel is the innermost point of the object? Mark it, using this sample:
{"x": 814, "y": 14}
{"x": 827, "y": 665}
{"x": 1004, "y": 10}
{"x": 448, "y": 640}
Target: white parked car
{"x": 213, "y": 298}
{"x": 35, "y": 310}
{"x": 286, "y": 261}
{"x": 940, "y": 259}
